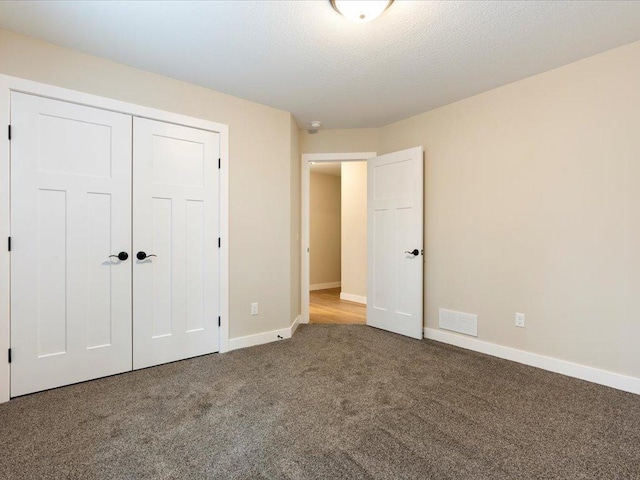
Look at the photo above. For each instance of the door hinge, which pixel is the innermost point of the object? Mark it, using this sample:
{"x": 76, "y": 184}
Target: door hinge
{"x": 9, "y": 355}
{"x": 9, "y": 243}
{"x": 9, "y": 132}
{"x": 219, "y": 163}
{"x": 218, "y": 242}
{"x": 219, "y": 322}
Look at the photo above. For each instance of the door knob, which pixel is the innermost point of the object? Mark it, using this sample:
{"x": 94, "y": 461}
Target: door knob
{"x": 122, "y": 256}
{"x": 415, "y": 252}
{"x": 142, "y": 255}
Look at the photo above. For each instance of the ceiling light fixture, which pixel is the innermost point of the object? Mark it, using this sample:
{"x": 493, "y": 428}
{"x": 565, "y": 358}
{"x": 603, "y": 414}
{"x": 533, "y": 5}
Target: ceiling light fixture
{"x": 361, "y": 11}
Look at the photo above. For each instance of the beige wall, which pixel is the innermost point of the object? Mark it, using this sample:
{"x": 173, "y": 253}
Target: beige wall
{"x": 262, "y": 142}
{"x": 532, "y": 199}
{"x": 533, "y": 205}
{"x": 340, "y": 141}
{"x": 324, "y": 229}
{"x": 354, "y": 228}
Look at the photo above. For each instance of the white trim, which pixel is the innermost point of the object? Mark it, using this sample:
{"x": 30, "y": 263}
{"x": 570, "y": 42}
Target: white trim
{"x": 324, "y": 286}
{"x": 570, "y": 369}
{"x": 304, "y": 194}
{"x": 265, "y": 337}
{"x": 337, "y": 157}
{"x": 5, "y": 285}
{"x": 350, "y": 297}
{"x": 9, "y": 84}
{"x": 223, "y": 344}
{"x": 294, "y": 326}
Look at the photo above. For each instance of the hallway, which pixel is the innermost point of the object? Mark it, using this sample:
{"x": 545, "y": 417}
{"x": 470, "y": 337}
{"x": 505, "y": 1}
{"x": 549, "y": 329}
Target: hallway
{"x": 325, "y": 306}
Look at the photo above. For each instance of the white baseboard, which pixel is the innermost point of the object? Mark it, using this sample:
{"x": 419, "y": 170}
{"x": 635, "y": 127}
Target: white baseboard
{"x": 353, "y": 298}
{"x": 259, "y": 338}
{"x": 294, "y": 326}
{"x": 265, "y": 337}
{"x": 590, "y": 374}
{"x": 324, "y": 286}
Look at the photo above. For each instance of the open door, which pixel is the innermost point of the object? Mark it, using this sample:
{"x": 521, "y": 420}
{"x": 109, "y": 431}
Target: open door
{"x": 395, "y": 185}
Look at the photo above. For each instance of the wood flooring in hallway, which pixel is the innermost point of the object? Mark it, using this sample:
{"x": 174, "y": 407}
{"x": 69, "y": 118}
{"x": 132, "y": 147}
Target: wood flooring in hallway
{"x": 325, "y": 306}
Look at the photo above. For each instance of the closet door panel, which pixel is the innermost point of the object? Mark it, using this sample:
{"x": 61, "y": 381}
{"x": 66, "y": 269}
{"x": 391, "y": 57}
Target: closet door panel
{"x": 175, "y": 234}
{"x": 70, "y": 210}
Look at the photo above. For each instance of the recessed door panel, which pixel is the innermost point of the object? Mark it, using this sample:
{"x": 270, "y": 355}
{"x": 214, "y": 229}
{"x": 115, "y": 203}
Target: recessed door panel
{"x": 194, "y": 265}
{"x": 70, "y": 210}
{"x": 383, "y": 224}
{"x": 70, "y": 157}
{"x": 51, "y": 300}
{"x": 99, "y": 312}
{"x": 175, "y": 218}
{"x": 161, "y": 267}
{"x": 166, "y": 171}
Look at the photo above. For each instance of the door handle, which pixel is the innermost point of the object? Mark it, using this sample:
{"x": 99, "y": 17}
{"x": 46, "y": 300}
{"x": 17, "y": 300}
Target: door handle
{"x": 122, "y": 256}
{"x": 142, "y": 255}
{"x": 415, "y": 252}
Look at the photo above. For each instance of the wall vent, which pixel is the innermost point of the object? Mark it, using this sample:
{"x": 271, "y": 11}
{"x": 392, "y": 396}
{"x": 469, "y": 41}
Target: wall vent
{"x": 460, "y": 322}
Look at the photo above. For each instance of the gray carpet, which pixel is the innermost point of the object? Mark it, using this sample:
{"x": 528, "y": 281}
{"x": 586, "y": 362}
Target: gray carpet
{"x": 333, "y": 402}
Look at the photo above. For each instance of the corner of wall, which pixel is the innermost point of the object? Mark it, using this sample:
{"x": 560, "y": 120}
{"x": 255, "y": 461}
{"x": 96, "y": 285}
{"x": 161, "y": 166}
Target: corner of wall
{"x": 295, "y": 225}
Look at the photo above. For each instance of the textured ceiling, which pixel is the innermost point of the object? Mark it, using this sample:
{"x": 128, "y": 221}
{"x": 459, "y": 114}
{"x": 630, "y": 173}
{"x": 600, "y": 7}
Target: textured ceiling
{"x": 303, "y": 57}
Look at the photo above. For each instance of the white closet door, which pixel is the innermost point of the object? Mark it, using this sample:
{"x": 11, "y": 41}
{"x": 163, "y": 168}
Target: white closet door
{"x": 394, "y": 242}
{"x": 175, "y": 223}
{"x": 70, "y": 210}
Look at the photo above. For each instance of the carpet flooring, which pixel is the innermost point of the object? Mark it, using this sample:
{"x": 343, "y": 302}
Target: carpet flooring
{"x": 332, "y": 402}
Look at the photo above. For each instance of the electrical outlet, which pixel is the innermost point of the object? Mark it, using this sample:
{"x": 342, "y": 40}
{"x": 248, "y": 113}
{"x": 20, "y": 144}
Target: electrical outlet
{"x": 254, "y": 308}
{"x": 520, "y": 320}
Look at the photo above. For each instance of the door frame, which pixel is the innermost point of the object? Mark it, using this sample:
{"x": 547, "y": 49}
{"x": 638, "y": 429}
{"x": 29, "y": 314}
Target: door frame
{"x": 10, "y": 84}
{"x": 305, "y": 189}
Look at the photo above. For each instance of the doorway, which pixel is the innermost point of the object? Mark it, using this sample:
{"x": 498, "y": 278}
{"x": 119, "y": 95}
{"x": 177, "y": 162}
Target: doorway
{"x": 338, "y": 242}
{"x": 394, "y": 238}
{"x": 334, "y": 263}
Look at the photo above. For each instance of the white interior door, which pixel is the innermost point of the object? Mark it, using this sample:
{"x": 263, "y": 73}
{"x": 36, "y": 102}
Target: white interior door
{"x": 395, "y": 242}
{"x": 70, "y": 210}
{"x": 175, "y": 223}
